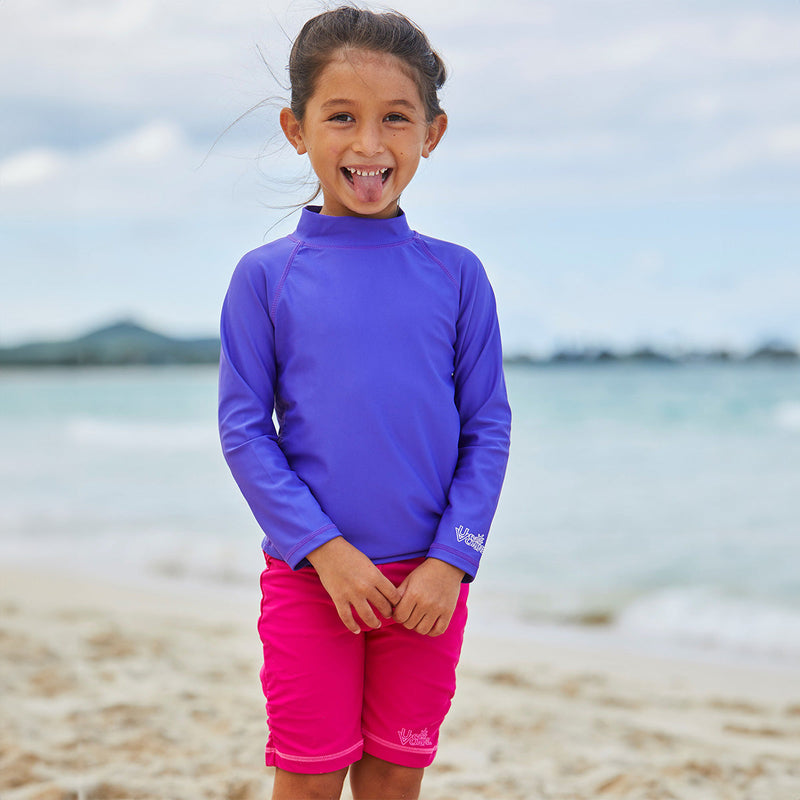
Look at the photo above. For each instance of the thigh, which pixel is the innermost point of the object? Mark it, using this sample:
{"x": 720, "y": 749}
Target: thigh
{"x": 312, "y": 675}
{"x": 409, "y": 684}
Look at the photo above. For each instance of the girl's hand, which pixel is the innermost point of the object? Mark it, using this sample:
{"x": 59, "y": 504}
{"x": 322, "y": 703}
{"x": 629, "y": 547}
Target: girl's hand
{"x": 354, "y": 583}
{"x": 430, "y": 594}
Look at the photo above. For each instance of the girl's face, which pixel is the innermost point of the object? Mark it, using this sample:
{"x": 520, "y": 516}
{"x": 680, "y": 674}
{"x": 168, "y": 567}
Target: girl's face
{"x": 364, "y": 131}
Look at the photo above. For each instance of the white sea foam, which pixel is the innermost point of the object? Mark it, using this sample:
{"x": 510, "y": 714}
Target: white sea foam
{"x": 140, "y": 435}
{"x": 787, "y": 415}
{"x": 710, "y": 619}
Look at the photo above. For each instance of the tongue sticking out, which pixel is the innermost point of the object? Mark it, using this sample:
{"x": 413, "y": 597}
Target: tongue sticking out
{"x": 368, "y": 188}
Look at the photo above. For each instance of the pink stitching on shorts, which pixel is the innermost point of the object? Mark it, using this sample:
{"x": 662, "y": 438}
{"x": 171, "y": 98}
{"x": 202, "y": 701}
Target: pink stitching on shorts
{"x": 312, "y": 759}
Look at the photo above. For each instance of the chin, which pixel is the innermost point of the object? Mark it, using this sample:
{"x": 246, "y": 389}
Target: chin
{"x": 378, "y": 209}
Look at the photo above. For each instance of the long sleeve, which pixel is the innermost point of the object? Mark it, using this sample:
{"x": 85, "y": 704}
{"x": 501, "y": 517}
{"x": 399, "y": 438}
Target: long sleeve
{"x": 283, "y": 505}
{"x": 485, "y": 417}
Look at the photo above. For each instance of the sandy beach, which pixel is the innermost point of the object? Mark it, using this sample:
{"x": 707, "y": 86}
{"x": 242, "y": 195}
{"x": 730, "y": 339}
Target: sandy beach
{"x": 110, "y": 692}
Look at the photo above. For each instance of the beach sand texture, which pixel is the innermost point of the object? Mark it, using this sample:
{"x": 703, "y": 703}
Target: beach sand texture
{"x": 110, "y": 692}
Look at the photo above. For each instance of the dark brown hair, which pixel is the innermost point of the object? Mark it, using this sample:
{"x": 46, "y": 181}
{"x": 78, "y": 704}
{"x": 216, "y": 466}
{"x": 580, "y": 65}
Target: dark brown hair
{"x": 348, "y": 27}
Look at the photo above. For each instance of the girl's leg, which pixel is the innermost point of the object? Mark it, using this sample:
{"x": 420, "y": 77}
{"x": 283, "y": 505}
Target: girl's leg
{"x": 372, "y": 778}
{"x": 294, "y": 786}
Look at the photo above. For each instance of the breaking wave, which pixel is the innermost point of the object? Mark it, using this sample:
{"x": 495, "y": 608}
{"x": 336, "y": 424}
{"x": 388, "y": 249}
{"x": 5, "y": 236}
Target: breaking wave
{"x": 787, "y": 416}
{"x": 145, "y": 435}
{"x": 712, "y": 620}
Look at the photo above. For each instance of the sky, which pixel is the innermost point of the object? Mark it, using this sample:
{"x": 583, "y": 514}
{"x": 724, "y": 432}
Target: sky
{"x": 628, "y": 172}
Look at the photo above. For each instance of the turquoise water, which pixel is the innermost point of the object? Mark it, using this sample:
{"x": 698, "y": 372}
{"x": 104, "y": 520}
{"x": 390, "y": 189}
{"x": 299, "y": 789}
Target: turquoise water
{"x": 660, "y": 500}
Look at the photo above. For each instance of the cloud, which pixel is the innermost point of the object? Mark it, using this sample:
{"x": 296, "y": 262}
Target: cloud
{"x": 777, "y": 146}
{"x": 33, "y": 166}
{"x": 645, "y": 92}
{"x": 111, "y": 18}
{"x": 147, "y": 170}
{"x": 152, "y": 142}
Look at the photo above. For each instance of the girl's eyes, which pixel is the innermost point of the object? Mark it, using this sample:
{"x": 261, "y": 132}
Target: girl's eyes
{"x": 344, "y": 117}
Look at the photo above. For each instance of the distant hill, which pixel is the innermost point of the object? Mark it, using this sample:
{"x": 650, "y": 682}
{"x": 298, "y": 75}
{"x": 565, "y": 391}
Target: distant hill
{"x": 123, "y": 342}
{"x": 127, "y": 342}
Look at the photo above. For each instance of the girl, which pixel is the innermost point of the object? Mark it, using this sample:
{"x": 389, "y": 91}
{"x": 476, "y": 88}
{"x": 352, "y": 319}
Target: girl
{"x": 378, "y": 348}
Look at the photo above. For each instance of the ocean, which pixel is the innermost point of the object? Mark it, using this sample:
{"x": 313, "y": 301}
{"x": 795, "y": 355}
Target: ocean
{"x": 659, "y": 504}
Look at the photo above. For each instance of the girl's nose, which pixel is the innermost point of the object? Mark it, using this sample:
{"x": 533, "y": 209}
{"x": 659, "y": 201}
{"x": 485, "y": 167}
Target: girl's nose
{"x": 369, "y": 141}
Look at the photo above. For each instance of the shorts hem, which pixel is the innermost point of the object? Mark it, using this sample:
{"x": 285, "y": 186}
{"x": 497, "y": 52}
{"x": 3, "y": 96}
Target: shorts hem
{"x": 313, "y": 765}
{"x": 417, "y": 758}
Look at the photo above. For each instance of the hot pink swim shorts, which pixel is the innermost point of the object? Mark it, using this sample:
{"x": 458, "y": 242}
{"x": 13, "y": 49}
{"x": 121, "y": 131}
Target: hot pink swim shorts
{"x": 332, "y": 695}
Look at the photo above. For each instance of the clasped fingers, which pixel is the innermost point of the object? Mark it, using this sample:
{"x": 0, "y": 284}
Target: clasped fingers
{"x": 354, "y": 583}
{"x": 430, "y": 618}
{"x": 361, "y": 606}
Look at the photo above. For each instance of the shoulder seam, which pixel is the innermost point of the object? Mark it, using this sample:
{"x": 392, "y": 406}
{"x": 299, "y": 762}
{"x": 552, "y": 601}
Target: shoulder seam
{"x": 279, "y": 288}
{"x": 441, "y": 265}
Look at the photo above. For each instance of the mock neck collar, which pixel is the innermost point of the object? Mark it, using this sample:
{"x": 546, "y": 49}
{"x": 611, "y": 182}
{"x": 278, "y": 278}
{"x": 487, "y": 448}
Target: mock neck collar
{"x": 320, "y": 229}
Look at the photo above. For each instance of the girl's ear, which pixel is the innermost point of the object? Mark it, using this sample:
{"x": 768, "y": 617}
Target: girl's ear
{"x": 435, "y": 132}
{"x": 291, "y": 129}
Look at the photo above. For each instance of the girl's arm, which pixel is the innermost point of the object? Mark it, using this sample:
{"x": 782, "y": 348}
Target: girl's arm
{"x": 485, "y": 417}
{"x": 281, "y": 502}
{"x": 430, "y": 592}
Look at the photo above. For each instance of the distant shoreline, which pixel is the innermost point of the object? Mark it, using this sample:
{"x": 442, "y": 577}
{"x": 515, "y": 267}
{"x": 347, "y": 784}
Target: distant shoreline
{"x": 126, "y": 343}
{"x": 769, "y": 352}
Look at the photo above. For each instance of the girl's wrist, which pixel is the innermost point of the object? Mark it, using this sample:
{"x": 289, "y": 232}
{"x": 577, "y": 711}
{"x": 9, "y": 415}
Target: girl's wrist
{"x": 328, "y": 550}
{"x": 446, "y": 568}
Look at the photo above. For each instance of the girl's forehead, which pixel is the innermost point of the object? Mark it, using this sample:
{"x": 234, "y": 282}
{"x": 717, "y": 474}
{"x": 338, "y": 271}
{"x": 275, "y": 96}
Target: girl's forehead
{"x": 360, "y": 70}
{"x": 359, "y": 57}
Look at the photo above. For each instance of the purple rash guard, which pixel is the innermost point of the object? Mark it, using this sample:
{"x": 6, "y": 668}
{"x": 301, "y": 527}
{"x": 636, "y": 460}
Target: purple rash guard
{"x": 379, "y": 350}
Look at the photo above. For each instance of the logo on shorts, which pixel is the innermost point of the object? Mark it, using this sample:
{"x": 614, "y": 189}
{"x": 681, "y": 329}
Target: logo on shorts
{"x": 470, "y": 539}
{"x": 412, "y": 739}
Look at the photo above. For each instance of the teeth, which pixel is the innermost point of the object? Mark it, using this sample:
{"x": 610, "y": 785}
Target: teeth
{"x": 366, "y": 173}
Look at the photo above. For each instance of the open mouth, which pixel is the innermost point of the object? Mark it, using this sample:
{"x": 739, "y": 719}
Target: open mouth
{"x": 382, "y": 172}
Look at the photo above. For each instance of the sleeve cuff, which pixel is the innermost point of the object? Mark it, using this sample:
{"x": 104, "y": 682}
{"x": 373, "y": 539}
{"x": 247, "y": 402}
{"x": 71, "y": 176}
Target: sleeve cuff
{"x": 455, "y": 557}
{"x": 314, "y": 540}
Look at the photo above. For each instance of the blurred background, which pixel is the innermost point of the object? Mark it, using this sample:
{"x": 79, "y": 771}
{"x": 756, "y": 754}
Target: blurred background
{"x": 629, "y": 174}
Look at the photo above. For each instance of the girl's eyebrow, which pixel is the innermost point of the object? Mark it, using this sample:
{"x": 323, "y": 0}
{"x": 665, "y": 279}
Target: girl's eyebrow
{"x": 402, "y": 102}
{"x": 337, "y": 101}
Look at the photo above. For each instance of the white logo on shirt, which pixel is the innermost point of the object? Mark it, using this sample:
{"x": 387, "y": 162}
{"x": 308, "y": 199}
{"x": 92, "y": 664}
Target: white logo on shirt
{"x": 470, "y": 539}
